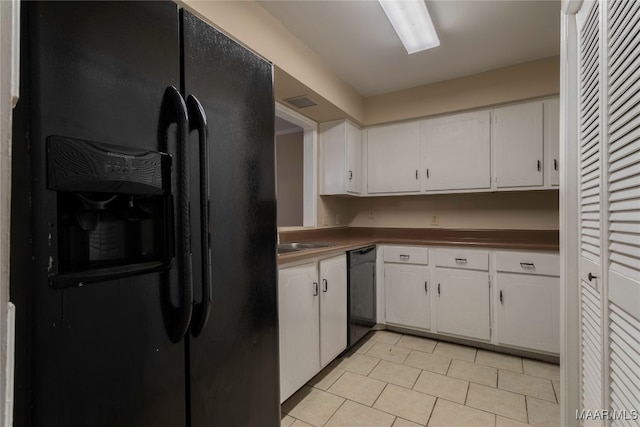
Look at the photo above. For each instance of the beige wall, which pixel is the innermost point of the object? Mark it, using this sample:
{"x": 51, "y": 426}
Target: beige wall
{"x": 299, "y": 71}
{"x": 253, "y": 26}
{"x": 289, "y": 177}
{"x": 535, "y": 210}
{"x": 529, "y": 80}
{"x": 329, "y": 206}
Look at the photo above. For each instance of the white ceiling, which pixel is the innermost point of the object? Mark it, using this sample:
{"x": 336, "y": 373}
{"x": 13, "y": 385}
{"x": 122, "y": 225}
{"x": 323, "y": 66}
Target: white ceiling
{"x": 357, "y": 41}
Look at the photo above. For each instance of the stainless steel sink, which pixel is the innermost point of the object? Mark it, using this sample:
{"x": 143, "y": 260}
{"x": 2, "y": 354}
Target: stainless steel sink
{"x": 286, "y": 248}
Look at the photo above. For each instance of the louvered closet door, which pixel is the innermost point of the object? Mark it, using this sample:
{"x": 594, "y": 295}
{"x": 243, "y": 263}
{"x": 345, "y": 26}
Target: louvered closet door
{"x": 623, "y": 120}
{"x": 590, "y": 201}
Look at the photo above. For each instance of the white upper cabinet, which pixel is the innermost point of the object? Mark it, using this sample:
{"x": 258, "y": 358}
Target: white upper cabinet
{"x": 456, "y": 152}
{"x": 341, "y": 158}
{"x": 393, "y": 158}
{"x": 552, "y": 141}
{"x": 517, "y": 135}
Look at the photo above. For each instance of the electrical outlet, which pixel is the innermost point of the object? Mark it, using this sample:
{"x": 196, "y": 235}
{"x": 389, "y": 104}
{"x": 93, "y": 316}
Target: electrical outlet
{"x": 372, "y": 214}
{"x": 337, "y": 219}
{"x": 435, "y": 220}
{"x": 325, "y": 220}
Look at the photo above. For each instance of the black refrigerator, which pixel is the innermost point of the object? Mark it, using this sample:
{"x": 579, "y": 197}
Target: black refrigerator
{"x": 143, "y": 240}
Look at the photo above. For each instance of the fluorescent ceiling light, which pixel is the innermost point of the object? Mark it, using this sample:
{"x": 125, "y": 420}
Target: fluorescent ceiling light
{"x": 411, "y": 20}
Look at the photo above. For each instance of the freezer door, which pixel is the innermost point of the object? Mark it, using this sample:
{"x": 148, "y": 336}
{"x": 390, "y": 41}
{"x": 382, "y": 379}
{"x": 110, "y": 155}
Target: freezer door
{"x": 98, "y": 354}
{"x": 234, "y": 359}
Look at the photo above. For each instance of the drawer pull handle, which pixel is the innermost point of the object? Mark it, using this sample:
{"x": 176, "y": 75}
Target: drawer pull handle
{"x": 461, "y": 260}
{"x": 404, "y": 257}
{"x": 528, "y": 265}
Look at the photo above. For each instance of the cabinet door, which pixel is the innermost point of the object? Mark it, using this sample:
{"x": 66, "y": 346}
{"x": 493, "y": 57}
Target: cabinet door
{"x": 456, "y": 152}
{"x": 354, "y": 159}
{"x": 340, "y": 158}
{"x": 552, "y": 141}
{"x": 393, "y": 158}
{"x": 518, "y": 145}
{"x": 529, "y": 311}
{"x": 333, "y": 308}
{"x": 462, "y": 302}
{"x": 407, "y": 295}
{"x": 298, "y": 309}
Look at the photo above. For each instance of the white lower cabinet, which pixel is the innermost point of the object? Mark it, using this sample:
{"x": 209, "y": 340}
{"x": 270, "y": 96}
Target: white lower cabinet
{"x": 448, "y": 291}
{"x": 312, "y": 310}
{"x": 299, "y": 320}
{"x": 407, "y": 295}
{"x": 333, "y": 308}
{"x": 406, "y": 284}
{"x": 528, "y": 305}
{"x": 462, "y": 303}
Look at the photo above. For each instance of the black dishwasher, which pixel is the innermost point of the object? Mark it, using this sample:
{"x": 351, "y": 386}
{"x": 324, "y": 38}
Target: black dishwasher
{"x": 361, "y": 285}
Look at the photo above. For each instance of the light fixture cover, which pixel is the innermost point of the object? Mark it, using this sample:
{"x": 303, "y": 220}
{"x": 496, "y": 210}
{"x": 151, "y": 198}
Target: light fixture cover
{"x": 412, "y": 22}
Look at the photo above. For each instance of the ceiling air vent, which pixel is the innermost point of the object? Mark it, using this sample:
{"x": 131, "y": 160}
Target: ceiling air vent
{"x": 301, "y": 101}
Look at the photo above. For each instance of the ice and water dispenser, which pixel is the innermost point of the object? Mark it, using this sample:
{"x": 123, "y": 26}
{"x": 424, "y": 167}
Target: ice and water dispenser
{"x": 114, "y": 210}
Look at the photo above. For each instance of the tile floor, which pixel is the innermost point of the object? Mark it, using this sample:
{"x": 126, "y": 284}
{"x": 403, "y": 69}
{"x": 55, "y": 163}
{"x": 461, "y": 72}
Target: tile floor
{"x": 398, "y": 380}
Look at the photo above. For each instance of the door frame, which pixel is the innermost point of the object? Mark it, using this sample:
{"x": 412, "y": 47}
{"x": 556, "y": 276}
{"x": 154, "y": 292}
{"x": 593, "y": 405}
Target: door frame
{"x": 570, "y": 359}
{"x": 310, "y": 162}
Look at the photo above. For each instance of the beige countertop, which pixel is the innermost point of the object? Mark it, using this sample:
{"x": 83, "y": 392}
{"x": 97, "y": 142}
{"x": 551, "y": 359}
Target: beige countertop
{"x": 348, "y": 238}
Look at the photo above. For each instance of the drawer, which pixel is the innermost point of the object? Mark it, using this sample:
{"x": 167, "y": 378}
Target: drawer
{"x": 406, "y": 254}
{"x": 529, "y": 263}
{"x": 462, "y": 258}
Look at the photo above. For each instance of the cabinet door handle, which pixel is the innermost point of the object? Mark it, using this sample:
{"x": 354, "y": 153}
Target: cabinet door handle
{"x": 315, "y": 289}
{"x": 426, "y": 289}
{"x": 427, "y": 173}
{"x": 404, "y": 257}
{"x": 416, "y": 173}
{"x": 438, "y": 288}
{"x": 539, "y": 165}
{"x": 350, "y": 175}
{"x": 528, "y": 265}
{"x": 555, "y": 164}
{"x": 591, "y": 277}
{"x": 501, "y": 299}
{"x": 326, "y": 285}
{"x": 461, "y": 260}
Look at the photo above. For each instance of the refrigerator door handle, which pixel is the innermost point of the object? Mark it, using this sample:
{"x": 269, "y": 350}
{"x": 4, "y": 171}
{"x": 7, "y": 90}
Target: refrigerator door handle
{"x": 179, "y": 318}
{"x": 202, "y": 310}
